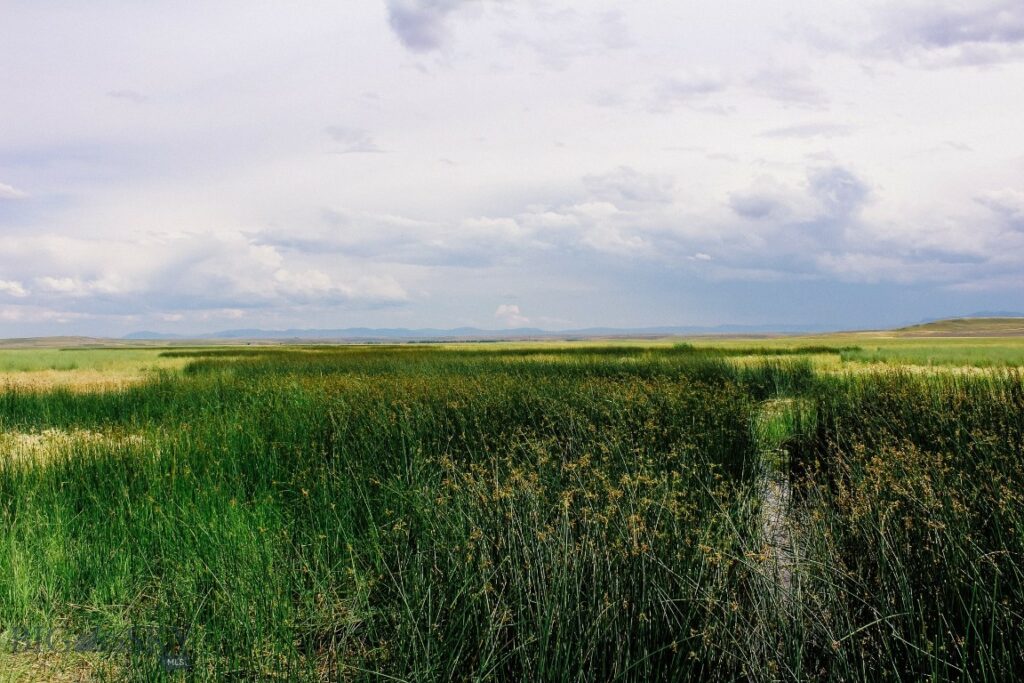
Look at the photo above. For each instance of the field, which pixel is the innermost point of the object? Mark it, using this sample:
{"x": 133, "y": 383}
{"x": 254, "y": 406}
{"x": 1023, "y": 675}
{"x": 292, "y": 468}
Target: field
{"x": 845, "y": 507}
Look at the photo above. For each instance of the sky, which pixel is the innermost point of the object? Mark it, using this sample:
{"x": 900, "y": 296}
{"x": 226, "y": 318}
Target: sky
{"x": 196, "y": 166}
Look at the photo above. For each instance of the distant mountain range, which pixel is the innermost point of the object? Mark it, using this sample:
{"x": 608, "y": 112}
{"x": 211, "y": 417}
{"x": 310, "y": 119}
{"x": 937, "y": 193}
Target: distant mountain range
{"x": 475, "y": 333}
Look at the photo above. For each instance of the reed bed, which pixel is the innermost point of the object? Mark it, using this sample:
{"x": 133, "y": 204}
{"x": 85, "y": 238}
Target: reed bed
{"x": 421, "y": 513}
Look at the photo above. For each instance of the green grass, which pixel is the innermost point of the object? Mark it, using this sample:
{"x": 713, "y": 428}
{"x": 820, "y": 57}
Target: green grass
{"x": 31, "y": 360}
{"x": 913, "y": 489}
{"x": 950, "y": 353}
{"x": 511, "y": 512}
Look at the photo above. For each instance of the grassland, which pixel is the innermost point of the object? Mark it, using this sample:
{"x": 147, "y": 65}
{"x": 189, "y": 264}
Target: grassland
{"x": 81, "y": 369}
{"x": 777, "y": 509}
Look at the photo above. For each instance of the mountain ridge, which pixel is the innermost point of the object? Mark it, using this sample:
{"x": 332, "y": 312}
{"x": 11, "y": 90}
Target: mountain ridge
{"x": 474, "y": 332}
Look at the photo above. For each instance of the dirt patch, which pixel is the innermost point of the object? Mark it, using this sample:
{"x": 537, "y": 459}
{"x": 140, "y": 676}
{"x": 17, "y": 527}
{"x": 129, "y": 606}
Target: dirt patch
{"x": 777, "y": 530}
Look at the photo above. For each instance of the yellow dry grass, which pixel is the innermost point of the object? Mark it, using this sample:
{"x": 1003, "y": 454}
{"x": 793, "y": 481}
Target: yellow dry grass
{"x": 41, "y": 446}
{"x": 52, "y": 667}
{"x": 73, "y": 380}
{"x": 81, "y": 370}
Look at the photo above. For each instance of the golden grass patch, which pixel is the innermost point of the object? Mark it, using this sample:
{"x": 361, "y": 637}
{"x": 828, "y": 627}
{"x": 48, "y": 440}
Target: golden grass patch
{"x": 40, "y": 446}
{"x": 53, "y": 667}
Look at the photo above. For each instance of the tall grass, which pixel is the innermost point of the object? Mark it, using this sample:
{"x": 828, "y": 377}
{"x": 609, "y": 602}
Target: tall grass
{"x": 914, "y": 492}
{"x": 419, "y": 513}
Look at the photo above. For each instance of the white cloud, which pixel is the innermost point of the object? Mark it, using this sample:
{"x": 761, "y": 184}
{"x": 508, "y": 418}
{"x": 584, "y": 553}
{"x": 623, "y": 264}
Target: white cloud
{"x": 13, "y": 288}
{"x": 8, "y": 192}
{"x": 240, "y": 173}
{"x": 61, "y": 285}
{"x": 509, "y": 315}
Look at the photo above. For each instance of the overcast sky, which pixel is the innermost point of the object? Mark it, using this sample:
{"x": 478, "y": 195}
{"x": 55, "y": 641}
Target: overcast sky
{"x": 195, "y": 166}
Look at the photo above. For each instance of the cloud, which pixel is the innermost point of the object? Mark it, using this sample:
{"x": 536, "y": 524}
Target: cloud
{"x": 313, "y": 285}
{"x": 808, "y": 130}
{"x": 767, "y": 199}
{"x": 61, "y": 285}
{"x": 421, "y": 25}
{"x": 473, "y": 242}
{"x": 13, "y": 288}
{"x": 1007, "y": 204}
{"x": 352, "y": 140}
{"x": 626, "y": 186}
{"x": 33, "y": 314}
{"x": 552, "y": 199}
{"x": 510, "y": 316}
{"x": 691, "y": 88}
{"x": 841, "y": 193}
{"x": 132, "y": 96}
{"x": 560, "y": 36}
{"x": 187, "y": 272}
{"x": 698, "y": 88}
{"x": 8, "y": 192}
{"x": 608, "y": 217}
{"x": 754, "y": 206}
{"x": 788, "y": 86}
{"x": 623, "y": 216}
{"x": 951, "y": 32}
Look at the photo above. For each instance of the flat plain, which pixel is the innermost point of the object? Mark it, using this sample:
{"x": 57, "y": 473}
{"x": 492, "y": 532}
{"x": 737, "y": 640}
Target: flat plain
{"x": 837, "y": 507}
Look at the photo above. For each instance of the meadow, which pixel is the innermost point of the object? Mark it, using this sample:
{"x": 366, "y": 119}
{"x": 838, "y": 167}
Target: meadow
{"x": 842, "y": 508}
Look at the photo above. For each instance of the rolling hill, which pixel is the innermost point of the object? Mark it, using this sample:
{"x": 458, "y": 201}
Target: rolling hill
{"x": 967, "y": 327}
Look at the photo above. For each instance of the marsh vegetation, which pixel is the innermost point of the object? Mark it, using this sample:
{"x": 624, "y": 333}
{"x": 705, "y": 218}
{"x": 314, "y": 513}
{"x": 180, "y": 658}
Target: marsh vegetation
{"x": 521, "y": 513}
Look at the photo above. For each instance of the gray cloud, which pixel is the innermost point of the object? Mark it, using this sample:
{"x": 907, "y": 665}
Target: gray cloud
{"x": 698, "y": 88}
{"x": 755, "y": 206}
{"x": 841, "y": 193}
{"x": 1007, "y": 204}
{"x": 352, "y": 140}
{"x": 693, "y": 88}
{"x": 952, "y": 32}
{"x": 788, "y": 86}
{"x": 421, "y": 25}
{"x": 628, "y": 187}
{"x": 808, "y": 130}
{"x": 132, "y": 96}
